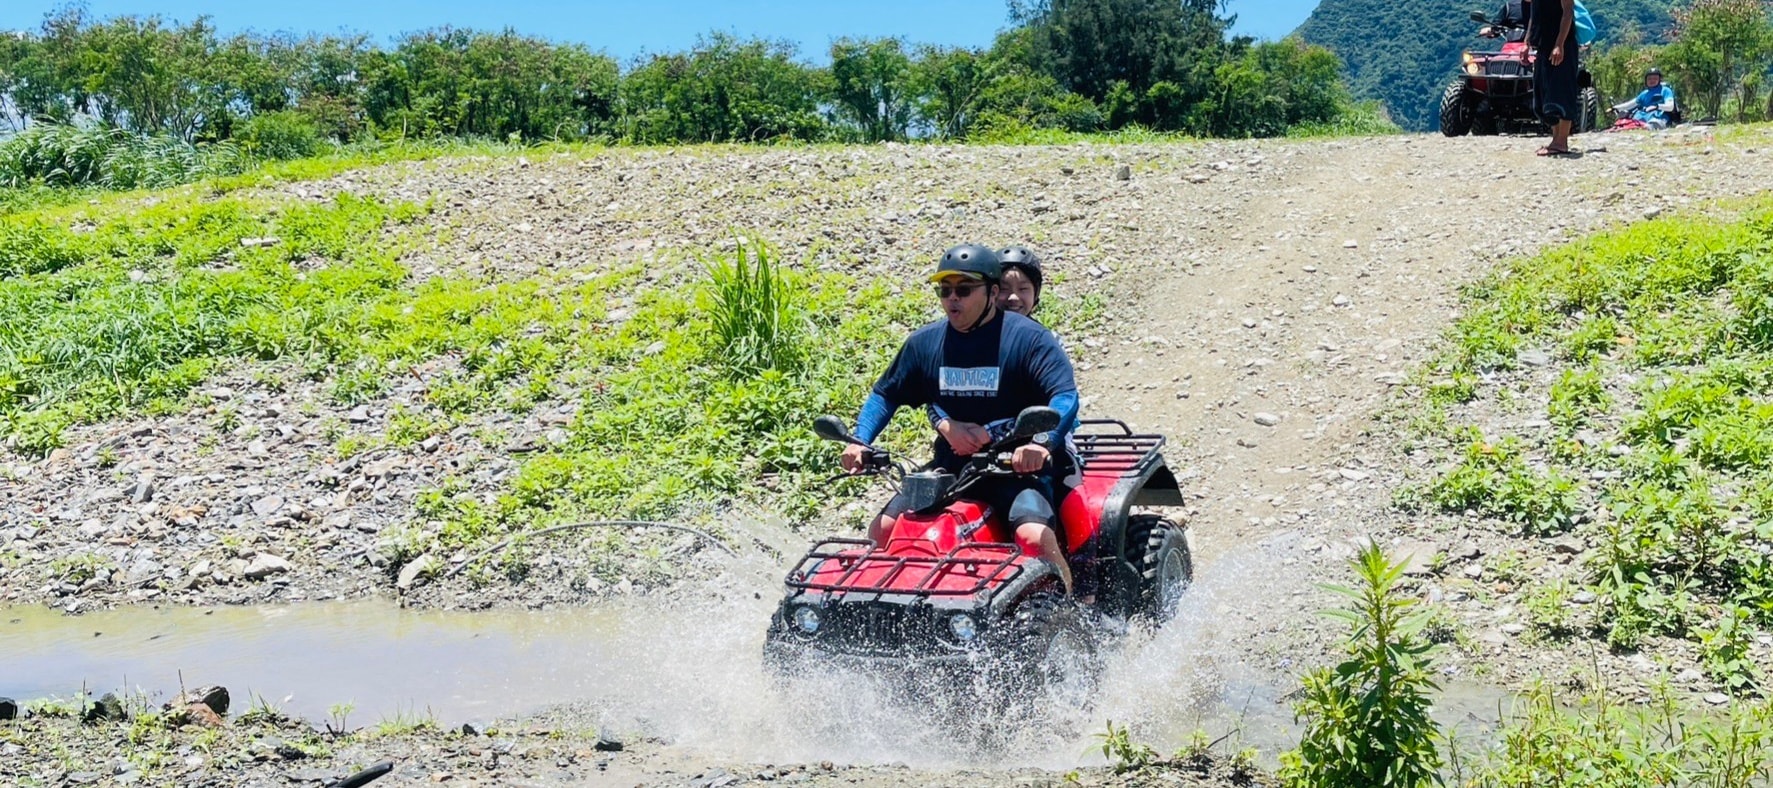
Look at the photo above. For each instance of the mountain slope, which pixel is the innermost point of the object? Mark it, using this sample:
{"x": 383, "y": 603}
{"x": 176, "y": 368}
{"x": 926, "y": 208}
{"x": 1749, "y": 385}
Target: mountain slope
{"x": 1403, "y": 53}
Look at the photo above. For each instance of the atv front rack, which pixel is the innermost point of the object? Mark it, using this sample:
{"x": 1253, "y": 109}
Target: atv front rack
{"x": 967, "y": 570}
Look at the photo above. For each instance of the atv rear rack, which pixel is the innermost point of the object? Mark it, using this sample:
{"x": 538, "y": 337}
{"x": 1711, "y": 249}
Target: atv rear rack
{"x": 1112, "y": 454}
{"x": 988, "y": 563}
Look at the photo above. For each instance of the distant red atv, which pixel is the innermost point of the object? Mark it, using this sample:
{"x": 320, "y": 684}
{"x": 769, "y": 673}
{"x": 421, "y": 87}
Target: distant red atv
{"x": 951, "y": 588}
{"x": 1493, "y": 92}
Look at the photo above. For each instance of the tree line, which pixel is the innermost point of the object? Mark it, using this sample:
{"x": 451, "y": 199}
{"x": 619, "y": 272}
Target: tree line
{"x": 1075, "y": 65}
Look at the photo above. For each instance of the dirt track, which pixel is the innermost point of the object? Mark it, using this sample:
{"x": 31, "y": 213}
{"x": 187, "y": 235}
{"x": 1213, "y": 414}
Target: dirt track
{"x": 1298, "y": 280}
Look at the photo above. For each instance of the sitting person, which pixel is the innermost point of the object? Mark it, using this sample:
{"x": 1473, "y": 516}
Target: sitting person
{"x": 984, "y": 366}
{"x": 1019, "y": 292}
{"x": 1655, "y": 103}
{"x": 1511, "y": 22}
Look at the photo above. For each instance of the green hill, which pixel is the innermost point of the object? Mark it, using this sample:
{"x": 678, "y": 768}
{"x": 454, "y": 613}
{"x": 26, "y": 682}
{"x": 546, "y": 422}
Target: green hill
{"x": 1403, "y": 53}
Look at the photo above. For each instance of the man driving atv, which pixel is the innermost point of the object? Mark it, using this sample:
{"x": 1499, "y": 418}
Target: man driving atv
{"x": 1511, "y": 22}
{"x": 981, "y": 365}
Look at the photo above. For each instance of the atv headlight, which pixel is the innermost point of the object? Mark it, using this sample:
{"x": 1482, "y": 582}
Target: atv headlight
{"x": 964, "y": 627}
{"x": 1473, "y": 69}
{"x": 806, "y": 620}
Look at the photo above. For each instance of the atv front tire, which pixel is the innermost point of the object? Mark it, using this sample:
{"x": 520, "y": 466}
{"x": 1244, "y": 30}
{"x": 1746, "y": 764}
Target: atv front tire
{"x": 1057, "y": 656}
{"x": 1590, "y": 100}
{"x": 1455, "y": 112}
{"x": 1158, "y": 547}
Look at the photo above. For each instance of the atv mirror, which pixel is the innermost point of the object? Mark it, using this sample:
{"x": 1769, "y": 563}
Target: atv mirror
{"x": 1478, "y": 16}
{"x": 1035, "y": 420}
{"x": 832, "y": 429}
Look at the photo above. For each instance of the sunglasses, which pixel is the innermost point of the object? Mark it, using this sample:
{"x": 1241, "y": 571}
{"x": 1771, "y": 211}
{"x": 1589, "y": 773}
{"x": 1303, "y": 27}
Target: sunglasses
{"x": 963, "y": 291}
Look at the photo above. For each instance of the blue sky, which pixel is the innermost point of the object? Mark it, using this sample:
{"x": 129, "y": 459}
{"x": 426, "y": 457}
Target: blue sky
{"x": 625, "y": 29}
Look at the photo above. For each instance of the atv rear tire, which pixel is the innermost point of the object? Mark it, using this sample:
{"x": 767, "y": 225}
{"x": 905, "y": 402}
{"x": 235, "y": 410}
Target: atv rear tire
{"x": 1158, "y": 547}
{"x": 1455, "y": 113}
{"x": 1591, "y": 110}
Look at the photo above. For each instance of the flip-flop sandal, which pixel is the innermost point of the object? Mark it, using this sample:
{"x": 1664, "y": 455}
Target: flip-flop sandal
{"x": 1550, "y": 151}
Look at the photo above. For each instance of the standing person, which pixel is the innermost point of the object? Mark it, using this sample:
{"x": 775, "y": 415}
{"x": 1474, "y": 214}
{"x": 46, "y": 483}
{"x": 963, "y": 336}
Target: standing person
{"x": 1551, "y": 32}
{"x": 984, "y": 366}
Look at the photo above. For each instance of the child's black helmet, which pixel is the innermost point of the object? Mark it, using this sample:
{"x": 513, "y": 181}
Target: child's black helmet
{"x": 1024, "y": 258}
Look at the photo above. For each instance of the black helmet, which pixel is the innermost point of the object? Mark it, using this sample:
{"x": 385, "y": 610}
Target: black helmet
{"x": 1654, "y": 72}
{"x": 1024, "y": 258}
{"x": 970, "y": 260}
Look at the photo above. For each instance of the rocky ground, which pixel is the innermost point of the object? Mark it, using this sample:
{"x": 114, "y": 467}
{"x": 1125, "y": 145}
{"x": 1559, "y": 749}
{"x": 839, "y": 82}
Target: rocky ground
{"x": 269, "y": 750}
{"x": 1268, "y": 299}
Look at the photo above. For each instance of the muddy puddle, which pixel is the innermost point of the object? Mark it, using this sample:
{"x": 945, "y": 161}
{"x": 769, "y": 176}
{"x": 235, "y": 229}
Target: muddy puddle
{"x": 688, "y": 673}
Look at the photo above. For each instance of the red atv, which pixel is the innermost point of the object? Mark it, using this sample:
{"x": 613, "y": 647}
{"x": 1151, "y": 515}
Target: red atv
{"x": 951, "y": 588}
{"x": 1493, "y": 92}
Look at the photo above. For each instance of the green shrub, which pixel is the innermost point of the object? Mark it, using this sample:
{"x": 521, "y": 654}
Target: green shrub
{"x": 280, "y": 135}
{"x": 1493, "y": 480}
{"x": 1577, "y": 397}
{"x": 1367, "y": 720}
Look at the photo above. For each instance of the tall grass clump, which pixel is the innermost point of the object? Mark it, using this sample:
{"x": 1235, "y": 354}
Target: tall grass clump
{"x": 756, "y": 310}
{"x": 74, "y": 156}
{"x": 1367, "y": 719}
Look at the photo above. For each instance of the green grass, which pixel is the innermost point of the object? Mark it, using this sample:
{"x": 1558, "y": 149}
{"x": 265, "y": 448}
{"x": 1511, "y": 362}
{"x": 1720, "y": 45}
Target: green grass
{"x": 1603, "y": 740}
{"x": 1661, "y": 341}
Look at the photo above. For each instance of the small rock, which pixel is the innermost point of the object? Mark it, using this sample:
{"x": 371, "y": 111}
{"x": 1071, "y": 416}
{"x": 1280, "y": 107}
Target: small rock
{"x": 83, "y": 778}
{"x": 1583, "y": 597}
{"x": 358, "y": 415}
{"x": 1652, "y": 212}
{"x": 468, "y": 729}
{"x": 1568, "y": 545}
{"x": 1514, "y": 629}
{"x": 429, "y": 445}
{"x": 1688, "y": 676}
{"x": 1467, "y": 551}
{"x": 8, "y": 709}
{"x": 1716, "y": 698}
{"x": 264, "y": 565}
{"x": 1340, "y": 300}
{"x": 266, "y": 506}
{"x": 107, "y": 708}
{"x": 655, "y": 348}
{"x": 607, "y": 743}
{"x": 1267, "y": 419}
{"x": 1418, "y": 558}
{"x": 1353, "y": 475}
{"x": 1351, "y": 244}
{"x": 259, "y": 243}
{"x": 1249, "y": 323}
{"x": 196, "y": 714}
{"x": 1534, "y": 357}
{"x": 423, "y": 566}
{"x": 1123, "y": 172}
{"x": 214, "y": 697}
{"x": 1474, "y": 571}
{"x": 142, "y": 491}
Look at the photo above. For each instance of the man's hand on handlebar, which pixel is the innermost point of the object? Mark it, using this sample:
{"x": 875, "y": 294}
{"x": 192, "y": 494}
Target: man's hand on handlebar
{"x": 964, "y": 437}
{"x": 1029, "y": 458}
{"x": 855, "y": 458}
